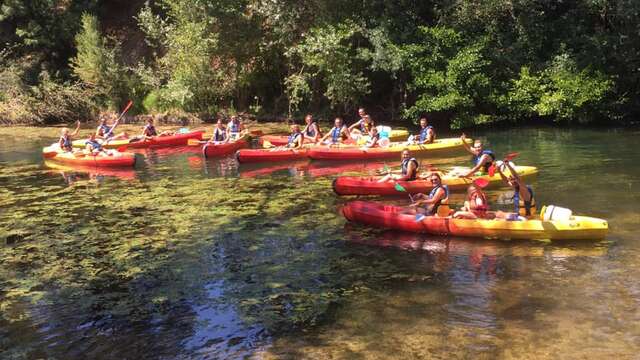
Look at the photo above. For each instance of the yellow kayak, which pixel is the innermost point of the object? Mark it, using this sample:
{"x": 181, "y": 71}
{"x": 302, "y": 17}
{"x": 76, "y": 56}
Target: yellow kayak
{"x": 393, "y": 150}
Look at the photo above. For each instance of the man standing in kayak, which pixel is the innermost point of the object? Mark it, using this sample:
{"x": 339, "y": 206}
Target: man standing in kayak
{"x": 482, "y": 159}
{"x": 311, "y": 130}
{"x": 338, "y": 134}
{"x": 408, "y": 169}
{"x": 438, "y": 196}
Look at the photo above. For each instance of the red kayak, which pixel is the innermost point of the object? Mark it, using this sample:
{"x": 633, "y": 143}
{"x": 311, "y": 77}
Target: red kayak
{"x": 280, "y": 140}
{"x": 211, "y": 149}
{"x": 401, "y": 218}
{"x": 166, "y": 141}
{"x": 110, "y": 158}
{"x": 270, "y": 155}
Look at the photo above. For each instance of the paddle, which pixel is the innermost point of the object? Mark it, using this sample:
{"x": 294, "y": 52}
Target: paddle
{"x": 196, "y": 142}
{"x": 126, "y": 108}
{"x": 509, "y": 157}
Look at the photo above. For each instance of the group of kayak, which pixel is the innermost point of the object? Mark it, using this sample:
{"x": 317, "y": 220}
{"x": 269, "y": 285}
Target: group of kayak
{"x": 429, "y": 191}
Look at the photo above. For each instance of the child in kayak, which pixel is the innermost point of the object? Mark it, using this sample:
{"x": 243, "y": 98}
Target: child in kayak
{"x": 219, "y": 133}
{"x": 482, "y": 159}
{"x": 311, "y": 130}
{"x": 92, "y": 146}
{"x": 408, "y": 169}
{"x": 363, "y": 126}
{"x": 476, "y": 206}
{"x": 66, "y": 142}
{"x": 149, "y": 131}
{"x": 338, "y": 134}
{"x": 374, "y": 137}
{"x": 438, "y": 197}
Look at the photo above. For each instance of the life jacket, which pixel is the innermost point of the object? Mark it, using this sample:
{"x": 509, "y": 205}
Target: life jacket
{"x": 405, "y": 167}
{"x": 444, "y": 201}
{"x": 521, "y": 207}
{"x": 219, "y": 135}
{"x": 364, "y": 127}
{"x": 94, "y": 144}
{"x": 424, "y": 133}
{"x": 482, "y": 210}
{"x": 66, "y": 143}
{"x": 335, "y": 134}
{"x": 234, "y": 127}
{"x": 150, "y": 130}
{"x": 310, "y": 131}
{"x": 105, "y": 130}
{"x": 487, "y": 165}
{"x": 293, "y": 138}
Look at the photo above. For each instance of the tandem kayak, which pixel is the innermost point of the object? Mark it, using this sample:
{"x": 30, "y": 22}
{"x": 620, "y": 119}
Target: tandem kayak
{"x": 212, "y": 149}
{"x": 350, "y": 152}
{"x": 270, "y": 155}
{"x": 400, "y": 218}
{"x": 155, "y": 142}
{"x": 111, "y": 159}
{"x": 282, "y": 140}
{"x": 359, "y": 185}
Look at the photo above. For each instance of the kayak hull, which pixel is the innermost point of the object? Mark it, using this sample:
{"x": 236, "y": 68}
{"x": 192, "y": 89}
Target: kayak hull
{"x": 213, "y": 150}
{"x": 156, "y": 142}
{"x": 117, "y": 160}
{"x": 266, "y": 155}
{"x": 282, "y": 140}
{"x": 399, "y": 218}
{"x": 358, "y": 185}
{"x": 346, "y": 152}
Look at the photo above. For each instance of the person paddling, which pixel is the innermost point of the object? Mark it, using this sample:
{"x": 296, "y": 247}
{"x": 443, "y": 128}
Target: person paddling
{"x": 427, "y": 134}
{"x": 66, "y": 141}
{"x": 338, "y": 134}
{"x": 408, "y": 169}
{"x": 482, "y": 159}
{"x": 219, "y": 133}
{"x": 311, "y": 131}
{"x": 523, "y": 199}
{"x": 106, "y": 132}
{"x": 429, "y": 204}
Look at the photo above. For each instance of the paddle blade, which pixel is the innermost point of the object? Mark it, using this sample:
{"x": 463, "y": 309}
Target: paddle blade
{"x": 399, "y": 187}
{"x": 481, "y": 182}
{"x": 385, "y": 168}
{"x": 193, "y": 142}
{"x": 420, "y": 217}
{"x": 511, "y": 156}
{"x": 492, "y": 170}
{"x": 267, "y": 144}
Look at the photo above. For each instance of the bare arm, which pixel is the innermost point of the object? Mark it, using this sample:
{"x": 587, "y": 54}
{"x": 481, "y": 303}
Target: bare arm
{"x": 75, "y": 132}
{"x": 480, "y": 163}
{"x": 465, "y": 145}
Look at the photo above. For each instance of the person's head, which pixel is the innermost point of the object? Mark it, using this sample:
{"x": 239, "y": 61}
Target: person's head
{"x": 64, "y": 131}
{"x": 234, "y": 118}
{"x": 477, "y": 146}
{"x": 472, "y": 189}
{"x": 308, "y": 119}
{"x": 103, "y": 121}
{"x": 406, "y": 154}
{"x": 373, "y": 131}
{"x": 423, "y": 122}
{"x": 435, "y": 178}
{"x": 338, "y": 122}
{"x": 219, "y": 124}
{"x": 92, "y": 136}
{"x": 367, "y": 119}
{"x": 362, "y": 112}
{"x": 150, "y": 121}
{"x": 295, "y": 128}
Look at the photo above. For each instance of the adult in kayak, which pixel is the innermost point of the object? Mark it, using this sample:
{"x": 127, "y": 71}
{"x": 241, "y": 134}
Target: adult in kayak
{"x": 362, "y": 126}
{"x": 219, "y": 133}
{"x": 65, "y": 141}
{"x": 523, "y": 200}
{"x": 408, "y": 169}
{"x": 338, "y": 134}
{"x": 106, "y": 132}
{"x": 149, "y": 131}
{"x": 235, "y": 128}
{"x": 476, "y": 206}
{"x": 430, "y": 204}
{"x": 296, "y": 139}
{"x": 482, "y": 158}
{"x": 427, "y": 134}
{"x": 311, "y": 129}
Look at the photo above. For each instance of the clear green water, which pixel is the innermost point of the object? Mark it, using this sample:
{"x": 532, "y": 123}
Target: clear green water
{"x": 185, "y": 258}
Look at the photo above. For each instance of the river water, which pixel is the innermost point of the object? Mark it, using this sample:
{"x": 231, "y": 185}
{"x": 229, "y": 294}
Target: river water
{"x": 190, "y": 258}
